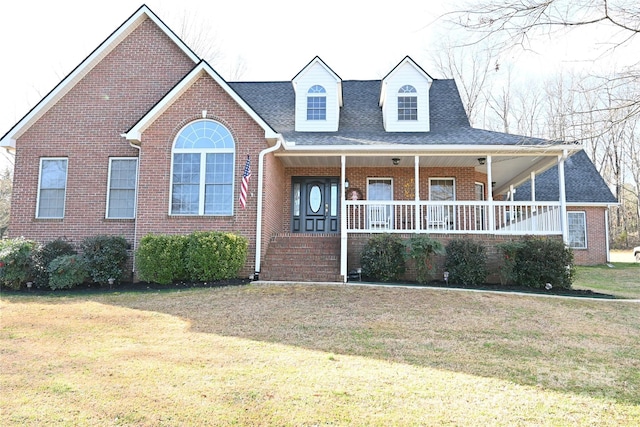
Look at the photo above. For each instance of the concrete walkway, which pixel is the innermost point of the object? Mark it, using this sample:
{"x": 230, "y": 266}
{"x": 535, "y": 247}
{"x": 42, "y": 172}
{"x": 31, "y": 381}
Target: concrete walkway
{"x": 452, "y": 289}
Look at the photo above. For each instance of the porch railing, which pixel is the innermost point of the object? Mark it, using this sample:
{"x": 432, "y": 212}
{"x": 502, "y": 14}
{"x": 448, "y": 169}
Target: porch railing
{"x": 497, "y": 217}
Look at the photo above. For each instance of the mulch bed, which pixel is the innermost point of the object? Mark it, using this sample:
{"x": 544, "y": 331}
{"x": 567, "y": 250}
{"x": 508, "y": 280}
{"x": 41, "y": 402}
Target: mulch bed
{"x": 146, "y": 286}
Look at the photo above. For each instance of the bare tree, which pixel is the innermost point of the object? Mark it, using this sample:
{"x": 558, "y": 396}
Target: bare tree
{"x": 472, "y": 68}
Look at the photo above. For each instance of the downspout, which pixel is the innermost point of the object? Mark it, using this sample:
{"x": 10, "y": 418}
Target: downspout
{"x": 259, "y": 208}
{"x": 343, "y": 220}
{"x": 606, "y": 233}
{"x": 135, "y": 210}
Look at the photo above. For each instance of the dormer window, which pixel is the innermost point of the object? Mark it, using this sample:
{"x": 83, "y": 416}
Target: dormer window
{"x": 407, "y": 103}
{"x": 317, "y": 103}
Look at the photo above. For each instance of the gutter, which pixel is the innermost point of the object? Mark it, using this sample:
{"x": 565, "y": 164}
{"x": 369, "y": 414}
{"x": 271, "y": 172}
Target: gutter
{"x": 260, "y": 203}
{"x": 135, "y": 207}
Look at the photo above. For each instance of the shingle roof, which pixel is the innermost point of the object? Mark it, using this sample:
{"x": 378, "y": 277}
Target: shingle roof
{"x": 583, "y": 183}
{"x": 361, "y": 117}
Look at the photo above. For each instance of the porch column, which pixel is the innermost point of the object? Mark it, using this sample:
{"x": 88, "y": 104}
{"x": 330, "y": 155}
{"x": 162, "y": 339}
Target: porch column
{"x": 492, "y": 211}
{"x": 563, "y": 198}
{"x": 416, "y": 179}
{"x": 533, "y": 186}
{"x": 343, "y": 219}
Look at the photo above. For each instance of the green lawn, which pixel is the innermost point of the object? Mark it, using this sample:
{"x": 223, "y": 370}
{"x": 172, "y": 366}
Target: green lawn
{"x": 622, "y": 280}
{"x": 303, "y": 355}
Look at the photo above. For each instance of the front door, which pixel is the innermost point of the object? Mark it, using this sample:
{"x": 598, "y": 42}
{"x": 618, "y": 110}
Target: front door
{"x": 315, "y": 205}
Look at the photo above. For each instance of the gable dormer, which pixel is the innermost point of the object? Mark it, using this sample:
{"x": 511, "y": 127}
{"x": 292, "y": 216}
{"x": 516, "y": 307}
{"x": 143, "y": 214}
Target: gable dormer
{"x": 318, "y": 92}
{"x": 404, "y": 98}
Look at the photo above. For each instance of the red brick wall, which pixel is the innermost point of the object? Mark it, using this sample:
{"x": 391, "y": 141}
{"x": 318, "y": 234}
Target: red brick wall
{"x": 85, "y": 126}
{"x": 596, "y": 252}
{"x": 157, "y": 142}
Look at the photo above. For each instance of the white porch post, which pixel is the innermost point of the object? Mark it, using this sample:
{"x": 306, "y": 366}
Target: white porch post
{"x": 533, "y": 186}
{"x": 492, "y": 211}
{"x": 343, "y": 220}
{"x": 416, "y": 179}
{"x": 563, "y": 198}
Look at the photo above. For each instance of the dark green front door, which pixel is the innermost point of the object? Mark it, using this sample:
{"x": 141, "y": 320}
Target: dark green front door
{"x": 315, "y": 205}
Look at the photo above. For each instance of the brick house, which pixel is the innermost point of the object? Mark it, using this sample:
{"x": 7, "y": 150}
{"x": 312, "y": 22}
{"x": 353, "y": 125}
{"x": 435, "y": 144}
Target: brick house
{"x": 145, "y": 137}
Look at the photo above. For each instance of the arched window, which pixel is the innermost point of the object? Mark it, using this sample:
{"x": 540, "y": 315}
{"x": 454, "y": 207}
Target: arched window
{"x": 317, "y": 103}
{"x": 202, "y": 170}
{"x": 407, "y": 103}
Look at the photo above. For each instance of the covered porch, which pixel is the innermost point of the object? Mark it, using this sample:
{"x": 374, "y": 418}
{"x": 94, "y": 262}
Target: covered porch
{"x": 419, "y": 198}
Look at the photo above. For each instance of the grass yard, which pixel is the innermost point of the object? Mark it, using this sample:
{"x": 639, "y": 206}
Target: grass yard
{"x": 622, "y": 280}
{"x": 319, "y": 355}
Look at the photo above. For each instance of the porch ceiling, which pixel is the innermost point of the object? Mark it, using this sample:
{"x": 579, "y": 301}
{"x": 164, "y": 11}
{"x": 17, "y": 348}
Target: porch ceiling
{"x": 506, "y": 170}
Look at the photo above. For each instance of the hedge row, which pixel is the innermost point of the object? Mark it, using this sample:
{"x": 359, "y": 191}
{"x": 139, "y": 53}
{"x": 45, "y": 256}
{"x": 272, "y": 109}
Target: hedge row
{"x": 200, "y": 256}
{"x": 532, "y": 262}
{"x": 57, "y": 264}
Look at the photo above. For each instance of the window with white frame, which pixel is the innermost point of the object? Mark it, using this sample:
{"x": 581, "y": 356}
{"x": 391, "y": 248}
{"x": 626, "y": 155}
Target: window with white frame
{"x": 202, "y": 170}
{"x": 577, "y": 230}
{"x": 317, "y": 103}
{"x": 407, "y": 103}
{"x": 52, "y": 188}
{"x": 121, "y": 194}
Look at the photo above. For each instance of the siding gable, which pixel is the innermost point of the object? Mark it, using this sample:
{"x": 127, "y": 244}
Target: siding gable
{"x": 405, "y": 73}
{"x": 317, "y": 73}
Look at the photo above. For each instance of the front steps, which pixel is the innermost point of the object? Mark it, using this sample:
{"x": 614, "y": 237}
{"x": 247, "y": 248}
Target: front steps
{"x": 302, "y": 258}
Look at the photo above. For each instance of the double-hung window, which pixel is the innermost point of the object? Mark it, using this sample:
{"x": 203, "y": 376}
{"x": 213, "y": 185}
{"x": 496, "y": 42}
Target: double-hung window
{"x": 52, "y": 188}
{"x": 202, "y": 170}
{"x": 577, "y": 223}
{"x": 407, "y": 103}
{"x": 317, "y": 103}
{"x": 121, "y": 194}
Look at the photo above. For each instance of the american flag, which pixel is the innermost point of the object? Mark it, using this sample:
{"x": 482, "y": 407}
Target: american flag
{"x": 244, "y": 186}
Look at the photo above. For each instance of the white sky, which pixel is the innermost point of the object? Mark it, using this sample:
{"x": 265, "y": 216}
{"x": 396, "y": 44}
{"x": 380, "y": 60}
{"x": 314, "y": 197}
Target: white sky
{"x": 41, "y": 41}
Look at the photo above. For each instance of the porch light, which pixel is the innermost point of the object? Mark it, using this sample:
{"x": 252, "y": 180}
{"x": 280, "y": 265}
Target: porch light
{"x": 396, "y": 161}
{"x": 346, "y": 183}
{"x": 482, "y": 160}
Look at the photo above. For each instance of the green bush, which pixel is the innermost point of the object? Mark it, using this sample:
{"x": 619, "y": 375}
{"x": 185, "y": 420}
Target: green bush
{"x": 15, "y": 262}
{"x": 534, "y": 262}
{"x": 105, "y": 258}
{"x": 466, "y": 262}
{"x": 421, "y": 249}
{"x": 161, "y": 258}
{"x": 382, "y": 258}
{"x": 44, "y": 254}
{"x": 66, "y": 272}
{"x": 215, "y": 255}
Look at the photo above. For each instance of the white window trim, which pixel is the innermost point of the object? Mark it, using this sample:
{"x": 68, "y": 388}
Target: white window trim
{"x": 135, "y": 190}
{"x": 584, "y": 216}
{"x": 440, "y": 179}
{"x": 484, "y": 197}
{"x": 66, "y": 178}
{"x": 381, "y": 178}
{"x": 202, "y": 189}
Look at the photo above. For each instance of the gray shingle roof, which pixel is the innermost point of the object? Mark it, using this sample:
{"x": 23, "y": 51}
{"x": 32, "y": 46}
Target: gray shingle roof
{"x": 361, "y": 117}
{"x": 583, "y": 183}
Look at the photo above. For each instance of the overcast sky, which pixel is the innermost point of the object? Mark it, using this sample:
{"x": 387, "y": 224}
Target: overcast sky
{"x": 41, "y": 41}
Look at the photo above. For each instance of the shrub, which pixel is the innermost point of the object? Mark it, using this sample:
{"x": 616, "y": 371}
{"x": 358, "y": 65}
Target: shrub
{"x": 421, "y": 249}
{"x": 161, "y": 258}
{"x": 66, "y": 272}
{"x": 105, "y": 258}
{"x": 382, "y": 258}
{"x": 215, "y": 255}
{"x": 44, "y": 254}
{"x": 534, "y": 262}
{"x": 466, "y": 262}
{"x": 15, "y": 262}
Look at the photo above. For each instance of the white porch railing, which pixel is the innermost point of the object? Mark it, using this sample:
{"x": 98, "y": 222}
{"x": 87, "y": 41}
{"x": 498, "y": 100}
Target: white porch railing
{"x": 373, "y": 216}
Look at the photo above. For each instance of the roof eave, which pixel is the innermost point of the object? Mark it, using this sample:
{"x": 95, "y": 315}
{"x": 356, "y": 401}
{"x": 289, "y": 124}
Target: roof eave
{"x": 82, "y": 69}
